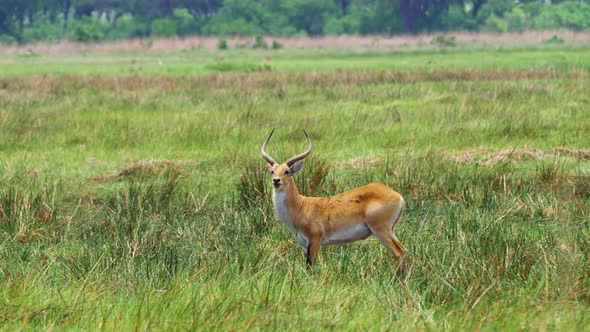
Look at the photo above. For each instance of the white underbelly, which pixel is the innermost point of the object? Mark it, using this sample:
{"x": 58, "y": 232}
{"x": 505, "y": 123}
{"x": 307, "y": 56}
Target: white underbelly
{"x": 350, "y": 234}
{"x": 301, "y": 239}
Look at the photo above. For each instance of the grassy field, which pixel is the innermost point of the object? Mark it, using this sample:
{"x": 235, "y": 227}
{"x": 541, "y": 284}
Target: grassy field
{"x": 200, "y": 61}
{"x": 133, "y": 194}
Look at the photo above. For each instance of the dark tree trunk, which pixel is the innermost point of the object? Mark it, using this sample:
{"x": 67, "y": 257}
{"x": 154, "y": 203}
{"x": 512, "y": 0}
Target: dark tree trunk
{"x": 67, "y": 5}
{"x": 49, "y": 14}
{"x": 477, "y": 4}
{"x": 409, "y": 11}
{"x": 21, "y": 26}
{"x": 344, "y": 6}
{"x": 116, "y": 17}
{"x": 167, "y": 7}
{"x": 6, "y": 26}
{"x": 31, "y": 16}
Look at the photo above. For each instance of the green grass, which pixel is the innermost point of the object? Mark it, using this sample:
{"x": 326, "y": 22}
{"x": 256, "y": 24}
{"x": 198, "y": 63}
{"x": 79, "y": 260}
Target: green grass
{"x": 142, "y": 201}
{"x": 191, "y": 62}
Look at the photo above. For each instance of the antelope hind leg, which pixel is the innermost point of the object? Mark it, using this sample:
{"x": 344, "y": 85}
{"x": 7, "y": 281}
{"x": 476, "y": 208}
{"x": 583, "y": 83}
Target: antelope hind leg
{"x": 390, "y": 241}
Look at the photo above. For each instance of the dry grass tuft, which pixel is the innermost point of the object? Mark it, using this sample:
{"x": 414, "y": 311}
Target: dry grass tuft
{"x": 511, "y": 155}
{"x": 485, "y": 157}
{"x": 360, "y": 162}
{"x": 465, "y": 157}
{"x": 481, "y": 156}
{"x": 142, "y": 168}
{"x": 580, "y": 153}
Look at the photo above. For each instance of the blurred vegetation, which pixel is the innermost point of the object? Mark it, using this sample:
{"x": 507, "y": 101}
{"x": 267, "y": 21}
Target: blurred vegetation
{"x": 92, "y": 20}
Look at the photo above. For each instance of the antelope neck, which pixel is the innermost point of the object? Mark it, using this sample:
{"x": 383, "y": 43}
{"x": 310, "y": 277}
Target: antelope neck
{"x": 291, "y": 196}
{"x": 287, "y": 203}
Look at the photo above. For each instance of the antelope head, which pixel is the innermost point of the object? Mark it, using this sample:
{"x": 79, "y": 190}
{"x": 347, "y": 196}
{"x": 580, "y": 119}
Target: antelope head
{"x": 282, "y": 173}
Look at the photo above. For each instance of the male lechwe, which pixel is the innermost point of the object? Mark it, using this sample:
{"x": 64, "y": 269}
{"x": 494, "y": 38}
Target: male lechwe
{"x": 346, "y": 217}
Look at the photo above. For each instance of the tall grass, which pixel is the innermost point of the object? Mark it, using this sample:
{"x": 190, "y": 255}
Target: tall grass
{"x": 496, "y": 239}
{"x": 471, "y": 245}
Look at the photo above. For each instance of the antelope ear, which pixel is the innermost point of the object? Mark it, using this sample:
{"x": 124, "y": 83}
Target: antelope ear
{"x": 296, "y": 167}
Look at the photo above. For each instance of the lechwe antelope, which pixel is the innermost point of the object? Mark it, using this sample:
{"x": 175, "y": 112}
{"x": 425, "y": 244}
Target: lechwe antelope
{"x": 346, "y": 217}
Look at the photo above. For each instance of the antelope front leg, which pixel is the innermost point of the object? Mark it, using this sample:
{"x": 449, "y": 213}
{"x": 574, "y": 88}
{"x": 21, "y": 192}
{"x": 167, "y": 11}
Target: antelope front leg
{"x": 313, "y": 247}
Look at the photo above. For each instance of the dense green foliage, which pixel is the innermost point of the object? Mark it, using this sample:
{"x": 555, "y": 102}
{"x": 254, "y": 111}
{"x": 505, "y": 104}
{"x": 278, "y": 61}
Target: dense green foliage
{"x": 92, "y": 20}
{"x": 142, "y": 202}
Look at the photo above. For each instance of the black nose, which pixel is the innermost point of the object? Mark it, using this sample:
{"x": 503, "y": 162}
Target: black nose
{"x": 276, "y": 181}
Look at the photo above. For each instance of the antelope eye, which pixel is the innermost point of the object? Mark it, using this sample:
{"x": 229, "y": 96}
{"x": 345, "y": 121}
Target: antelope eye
{"x": 272, "y": 171}
{"x": 287, "y": 172}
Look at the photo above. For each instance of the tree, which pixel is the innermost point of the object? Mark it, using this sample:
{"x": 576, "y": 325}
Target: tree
{"x": 64, "y": 7}
{"x": 20, "y": 11}
{"x": 13, "y": 14}
{"x": 113, "y": 10}
{"x": 476, "y": 6}
{"x": 239, "y": 17}
{"x": 343, "y": 4}
{"x": 497, "y": 8}
{"x": 84, "y": 8}
{"x": 7, "y": 19}
{"x": 308, "y": 15}
{"x": 424, "y": 14}
{"x": 200, "y": 7}
{"x": 380, "y": 16}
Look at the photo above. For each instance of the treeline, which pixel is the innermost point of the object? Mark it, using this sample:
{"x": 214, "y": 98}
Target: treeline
{"x": 94, "y": 20}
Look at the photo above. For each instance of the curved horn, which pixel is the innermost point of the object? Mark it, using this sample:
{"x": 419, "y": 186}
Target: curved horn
{"x": 299, "y": 157}
{"x": 266, "y": 157}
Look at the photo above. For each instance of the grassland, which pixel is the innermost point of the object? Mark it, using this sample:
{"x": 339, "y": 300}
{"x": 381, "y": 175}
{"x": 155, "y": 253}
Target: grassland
{"x": 137, "y": 198}
{"x": 200, "y": 61}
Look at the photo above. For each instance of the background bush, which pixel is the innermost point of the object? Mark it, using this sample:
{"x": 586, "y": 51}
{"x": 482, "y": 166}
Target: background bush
{"x": 94, "y": 21}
